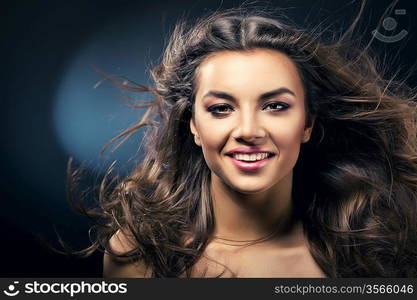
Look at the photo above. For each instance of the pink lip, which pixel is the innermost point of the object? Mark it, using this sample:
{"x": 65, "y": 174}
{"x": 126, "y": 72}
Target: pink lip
{"x": 250, "y": 166}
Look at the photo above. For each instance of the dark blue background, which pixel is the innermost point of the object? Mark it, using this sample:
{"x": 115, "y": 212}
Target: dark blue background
{"x": 40, "y": 41}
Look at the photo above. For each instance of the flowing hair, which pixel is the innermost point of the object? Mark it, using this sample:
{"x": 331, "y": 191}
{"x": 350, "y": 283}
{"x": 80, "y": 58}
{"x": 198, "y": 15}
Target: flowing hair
{"x": 355, "y": 182}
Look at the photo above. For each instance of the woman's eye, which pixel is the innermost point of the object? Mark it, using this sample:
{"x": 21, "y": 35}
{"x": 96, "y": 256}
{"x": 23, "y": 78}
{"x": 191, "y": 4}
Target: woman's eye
{"x": 219, "y": 109}
{"x": 277, "y": 106}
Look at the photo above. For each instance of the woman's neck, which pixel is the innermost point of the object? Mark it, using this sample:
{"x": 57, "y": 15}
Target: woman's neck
{"x": 247, "y": 217}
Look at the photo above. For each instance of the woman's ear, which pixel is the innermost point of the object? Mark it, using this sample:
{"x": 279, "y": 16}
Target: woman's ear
{"x": 194, "y": 132}
{"x": 308, "y": 129}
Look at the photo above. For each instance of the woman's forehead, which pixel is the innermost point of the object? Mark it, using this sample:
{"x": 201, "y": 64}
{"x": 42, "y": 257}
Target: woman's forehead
{"x": 243, "y": 72}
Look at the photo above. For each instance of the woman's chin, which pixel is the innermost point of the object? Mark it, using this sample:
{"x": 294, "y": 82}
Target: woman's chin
{"x": 249, "y": 188}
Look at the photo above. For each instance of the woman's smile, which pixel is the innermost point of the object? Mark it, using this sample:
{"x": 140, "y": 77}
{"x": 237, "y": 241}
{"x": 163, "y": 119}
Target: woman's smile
{"x": 253, "y": 162}
{"x": 249, "y": 159}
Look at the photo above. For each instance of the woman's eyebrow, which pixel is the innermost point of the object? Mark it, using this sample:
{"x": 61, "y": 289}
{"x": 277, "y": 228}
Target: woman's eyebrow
{"x": 277, "y": 92}
{"x": 221, "y": 95}
{"x": 264, "y": 96}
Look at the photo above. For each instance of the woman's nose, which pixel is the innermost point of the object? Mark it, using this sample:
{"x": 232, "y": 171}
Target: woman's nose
{"x": 248, "y": 127}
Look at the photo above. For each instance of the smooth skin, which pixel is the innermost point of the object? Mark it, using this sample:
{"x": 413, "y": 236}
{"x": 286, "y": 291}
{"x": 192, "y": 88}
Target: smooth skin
{"x": 250, "y": 99}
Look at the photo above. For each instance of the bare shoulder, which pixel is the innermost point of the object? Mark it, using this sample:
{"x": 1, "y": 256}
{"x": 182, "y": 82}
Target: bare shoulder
{"x": 113, "y": 266}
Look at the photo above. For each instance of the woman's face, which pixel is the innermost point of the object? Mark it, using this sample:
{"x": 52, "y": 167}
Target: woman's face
{"x": 249, "y": 102}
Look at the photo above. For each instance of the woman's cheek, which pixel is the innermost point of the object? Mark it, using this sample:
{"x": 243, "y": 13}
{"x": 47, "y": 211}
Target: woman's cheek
{"x": 216, "y": 134}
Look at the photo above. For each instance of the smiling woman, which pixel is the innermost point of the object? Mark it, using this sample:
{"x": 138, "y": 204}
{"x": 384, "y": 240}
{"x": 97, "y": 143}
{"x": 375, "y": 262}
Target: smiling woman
{"x": 241, "y": 113}
{"x": 250, "y": 135}
{"x": 271, "y": 152}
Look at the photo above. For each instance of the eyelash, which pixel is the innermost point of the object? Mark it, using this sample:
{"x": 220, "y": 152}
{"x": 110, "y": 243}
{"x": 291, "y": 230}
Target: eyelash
{"x": 213, "y": 109}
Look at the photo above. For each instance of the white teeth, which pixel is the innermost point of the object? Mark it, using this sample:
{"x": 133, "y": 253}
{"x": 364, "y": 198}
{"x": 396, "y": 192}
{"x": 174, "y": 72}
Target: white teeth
{"x": 250, "y": 157}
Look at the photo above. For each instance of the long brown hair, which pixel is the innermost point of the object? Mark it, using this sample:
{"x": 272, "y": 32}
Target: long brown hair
{"x": 355, "y": 184}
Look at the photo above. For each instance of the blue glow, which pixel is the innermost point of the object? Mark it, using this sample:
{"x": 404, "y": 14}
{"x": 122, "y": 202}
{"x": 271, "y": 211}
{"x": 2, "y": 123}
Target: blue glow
{"x": 86, "y": 118}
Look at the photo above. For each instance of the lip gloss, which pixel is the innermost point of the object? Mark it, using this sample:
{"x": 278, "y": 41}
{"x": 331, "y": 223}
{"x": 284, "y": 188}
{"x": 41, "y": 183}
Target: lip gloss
{"x": 250, "y": 166}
